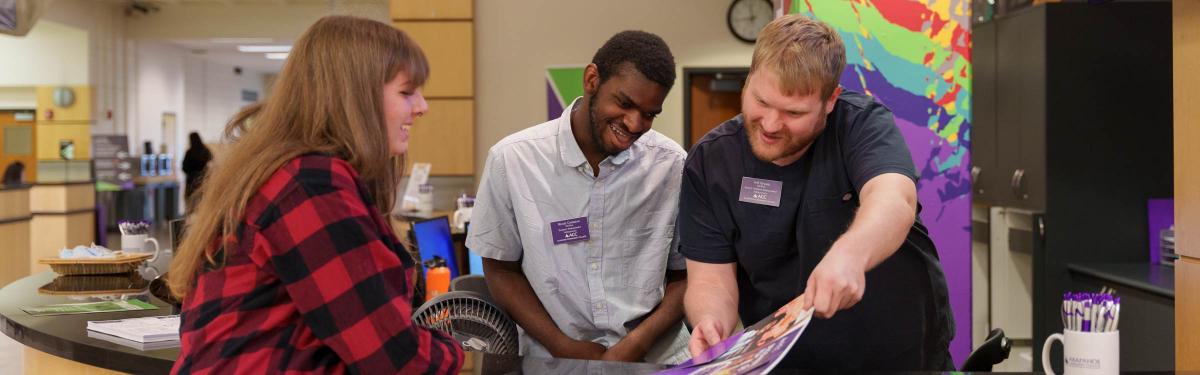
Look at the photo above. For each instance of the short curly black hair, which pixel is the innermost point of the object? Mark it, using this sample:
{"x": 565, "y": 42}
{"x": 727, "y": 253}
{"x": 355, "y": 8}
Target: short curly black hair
{"x": 647, "y": 52}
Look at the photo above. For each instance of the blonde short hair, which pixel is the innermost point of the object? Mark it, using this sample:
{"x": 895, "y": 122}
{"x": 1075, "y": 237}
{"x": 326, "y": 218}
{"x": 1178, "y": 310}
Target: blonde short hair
{"x": 806, "y": 54}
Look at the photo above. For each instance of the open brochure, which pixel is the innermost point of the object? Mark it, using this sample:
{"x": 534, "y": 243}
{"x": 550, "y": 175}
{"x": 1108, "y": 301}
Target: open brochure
{"x": 143, "y": 330}
{"x": 89, "y": 307}
{"x": 754, "y": 350}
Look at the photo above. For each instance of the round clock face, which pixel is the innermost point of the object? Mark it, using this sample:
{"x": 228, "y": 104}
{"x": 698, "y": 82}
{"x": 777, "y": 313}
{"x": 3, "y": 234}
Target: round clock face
{"x": 747, "y": 17}
{"x": 64, "y": 97}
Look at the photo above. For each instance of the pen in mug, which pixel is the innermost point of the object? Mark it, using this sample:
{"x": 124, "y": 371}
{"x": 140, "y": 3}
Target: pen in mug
{"x": 1079, "y": 314}
{"x": 1095, "y": 315}
{"x": 1087, "y": 315}
{"x": 1116, "y": 314}
{"x": 1066, "y": 310}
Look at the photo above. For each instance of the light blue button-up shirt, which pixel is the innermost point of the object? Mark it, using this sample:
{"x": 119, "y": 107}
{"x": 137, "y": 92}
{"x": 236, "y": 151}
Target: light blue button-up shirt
{"x": 601, "y": 288}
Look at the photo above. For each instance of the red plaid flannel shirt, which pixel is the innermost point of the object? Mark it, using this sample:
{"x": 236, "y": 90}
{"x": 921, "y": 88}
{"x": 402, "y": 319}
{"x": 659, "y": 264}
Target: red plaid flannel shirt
{"x": 317, "y": 282}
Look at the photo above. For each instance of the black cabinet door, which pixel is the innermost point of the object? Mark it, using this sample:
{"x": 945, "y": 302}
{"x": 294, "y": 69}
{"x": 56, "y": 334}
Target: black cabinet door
{"x": 986, "y": 178}
{"x": 1021, "y": 108}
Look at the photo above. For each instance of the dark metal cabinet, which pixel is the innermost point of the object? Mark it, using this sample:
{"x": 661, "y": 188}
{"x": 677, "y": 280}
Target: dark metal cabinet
{"x": 1022, "y": 109}
{"x": 985, "y": 173}
{"x": 1049, "y": 80}
{"x": 1077, "y": 101}
{"x": 1010, "y": 88}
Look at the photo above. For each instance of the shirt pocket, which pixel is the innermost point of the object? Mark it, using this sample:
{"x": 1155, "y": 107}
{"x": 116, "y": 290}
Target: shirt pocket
{"x": 657, "y": 224}
{"x": 645, "y": 260}
{"x": 762, "y": 255}
{"x": 829, "y": 217}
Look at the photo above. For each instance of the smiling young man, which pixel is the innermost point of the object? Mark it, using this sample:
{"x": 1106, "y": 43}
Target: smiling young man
{"x": 575, "y": 217}
{"x": 810, "y": 193}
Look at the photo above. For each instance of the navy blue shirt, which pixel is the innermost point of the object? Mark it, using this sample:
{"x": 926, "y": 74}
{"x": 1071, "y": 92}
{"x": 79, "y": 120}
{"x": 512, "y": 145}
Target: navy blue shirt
{"x": 903, "y": 321}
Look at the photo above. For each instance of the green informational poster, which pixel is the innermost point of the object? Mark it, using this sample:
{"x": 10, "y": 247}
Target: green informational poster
{"x": 90, "y": 307}
{"x": 563, "y": 84}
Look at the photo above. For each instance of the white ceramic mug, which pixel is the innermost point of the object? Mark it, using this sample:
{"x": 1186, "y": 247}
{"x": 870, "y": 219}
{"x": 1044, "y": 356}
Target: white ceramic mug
{"x": 461, "y": 217}
{"x": 136, "y": 243}
{"x": 1086, "y": 353}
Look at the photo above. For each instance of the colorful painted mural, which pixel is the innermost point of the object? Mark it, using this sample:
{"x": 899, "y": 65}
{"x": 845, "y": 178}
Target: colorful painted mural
{"x": 915, "y": 57}
{"x": 563, "y": 84}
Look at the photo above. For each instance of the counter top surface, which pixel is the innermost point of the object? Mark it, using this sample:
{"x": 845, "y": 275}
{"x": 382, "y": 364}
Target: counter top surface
{"x": 66, "y": 335}
{"x": 1152, "y": 278}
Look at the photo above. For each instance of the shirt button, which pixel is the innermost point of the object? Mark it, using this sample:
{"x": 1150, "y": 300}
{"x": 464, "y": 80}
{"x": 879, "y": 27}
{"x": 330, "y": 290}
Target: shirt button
{"x": 846, "y": 198}
{"x": 595, "y": 266}
{"x": 599, "y": 306}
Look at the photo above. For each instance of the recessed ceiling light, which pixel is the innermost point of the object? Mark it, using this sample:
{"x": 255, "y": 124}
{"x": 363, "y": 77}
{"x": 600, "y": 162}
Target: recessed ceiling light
{"x": 241, "y": 40}
{"x": 277, "y": 56}
{"x": 260, "y": 49}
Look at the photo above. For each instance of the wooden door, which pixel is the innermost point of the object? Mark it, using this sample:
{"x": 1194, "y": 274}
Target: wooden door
{"x": 712, "y": 97}
{"x": 17, "y": 143}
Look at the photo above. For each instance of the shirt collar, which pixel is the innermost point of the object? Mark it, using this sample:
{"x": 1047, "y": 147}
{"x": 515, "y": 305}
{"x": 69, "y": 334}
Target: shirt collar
{"x": 572, "y": 155}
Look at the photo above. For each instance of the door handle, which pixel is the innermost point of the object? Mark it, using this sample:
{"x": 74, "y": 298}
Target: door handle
{"x": 1018, "y": 184}
{"x": 975, "y": 171}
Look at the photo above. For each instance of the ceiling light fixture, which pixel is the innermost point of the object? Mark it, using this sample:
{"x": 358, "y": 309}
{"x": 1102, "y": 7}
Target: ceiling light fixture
{"x": 277, "y": 56}
{"x": 261, "y": 49}
{"x": 241, "y": 40}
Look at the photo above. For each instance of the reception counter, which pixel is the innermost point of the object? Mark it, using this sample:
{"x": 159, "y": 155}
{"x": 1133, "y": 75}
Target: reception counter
{"x": 63, "y": 216}
{"x": 15, "y": 220}
{"x": 38, "y": 220}
{"x": 60, "y": 344}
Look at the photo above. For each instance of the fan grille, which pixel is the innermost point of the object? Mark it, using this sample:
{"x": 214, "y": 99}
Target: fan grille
{"x": 474, "y": 322}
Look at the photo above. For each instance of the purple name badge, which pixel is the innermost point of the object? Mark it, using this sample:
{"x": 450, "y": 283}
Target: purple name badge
{"x": 570, "y": 230}
{"x": 759, "y": 191}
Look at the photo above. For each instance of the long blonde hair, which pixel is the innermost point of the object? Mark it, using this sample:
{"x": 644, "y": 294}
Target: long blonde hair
{"x": 328, "y": 99}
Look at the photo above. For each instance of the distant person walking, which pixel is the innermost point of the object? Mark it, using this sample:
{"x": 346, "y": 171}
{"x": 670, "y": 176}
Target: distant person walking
{"x": 14, "y": 174}
{"x": 195, "y": 162}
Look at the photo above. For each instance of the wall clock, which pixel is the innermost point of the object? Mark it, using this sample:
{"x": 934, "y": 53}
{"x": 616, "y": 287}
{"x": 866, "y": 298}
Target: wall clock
{"x": 747, "y": 17}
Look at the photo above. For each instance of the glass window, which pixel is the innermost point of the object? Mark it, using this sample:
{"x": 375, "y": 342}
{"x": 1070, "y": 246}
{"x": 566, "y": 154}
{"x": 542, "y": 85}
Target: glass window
{"x": 18, "y": 140}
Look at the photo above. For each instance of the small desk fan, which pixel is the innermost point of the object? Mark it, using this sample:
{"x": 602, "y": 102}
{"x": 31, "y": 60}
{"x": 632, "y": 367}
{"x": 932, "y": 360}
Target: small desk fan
{"x": 474, "y": 322}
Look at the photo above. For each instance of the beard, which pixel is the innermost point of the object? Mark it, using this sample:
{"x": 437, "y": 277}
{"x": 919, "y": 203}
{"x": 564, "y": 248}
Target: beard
{"x": 597, "y": 127}
{"x": 788, "y": 145}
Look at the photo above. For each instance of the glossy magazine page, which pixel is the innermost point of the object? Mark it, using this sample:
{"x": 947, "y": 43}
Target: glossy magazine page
{"x": 754, "y": 350}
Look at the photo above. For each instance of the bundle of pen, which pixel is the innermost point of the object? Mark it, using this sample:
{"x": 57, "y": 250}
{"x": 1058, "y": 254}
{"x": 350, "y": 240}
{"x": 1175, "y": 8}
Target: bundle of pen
{"x": 1091, "y": 312}
{"x": 133, "y": 227}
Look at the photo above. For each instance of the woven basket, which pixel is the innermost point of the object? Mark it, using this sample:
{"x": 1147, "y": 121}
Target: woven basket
{"x": 125, "y": 283}
{"x": 123, "y": 263}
